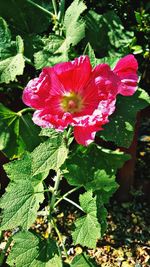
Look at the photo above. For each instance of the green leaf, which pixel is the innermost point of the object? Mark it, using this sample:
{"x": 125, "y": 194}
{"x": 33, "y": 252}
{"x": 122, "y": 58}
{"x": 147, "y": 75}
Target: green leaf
{"x": 82, "y": 260}
{"x": 20, "y": 204}
{"x": 94, "y": 168}
{"x": 119, "y": 38}
{"x": 21, "y": 169}
{"x": 55, "y": 48}
{"x": 17, "y": 132}
{"x": 74, "y": 26}
{"x": 31, "y": 251}
{"x": 24, "y": 17}
{"x": 102, "y": 180}
{"x": 51, "y": 52}
{"x": 11, "y": 55}
{"x": 87, "y": 227}
{"x": 90, "y": 52}
{"x": 106, "y": 34}
{"x": 5, "y": 36}
{"x": 52, "y": 133}
{"x": 111, "y": 61}
{"x": 49, "y": 155}
{"x": 120, "y": 128}
{"x": 11, "y": 67}
{"x": 97, "y": 32}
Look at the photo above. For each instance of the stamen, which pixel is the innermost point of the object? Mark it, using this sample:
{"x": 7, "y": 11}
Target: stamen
{"x": 71, "y": 102}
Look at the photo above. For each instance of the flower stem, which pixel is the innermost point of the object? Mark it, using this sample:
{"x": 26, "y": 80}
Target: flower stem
{"x": 55, "y": 190}
{"x": 66, "y": 194}
{"x": 25, "y": 110}
{"x": 54, "y": 7}
{"x": 41, "y": 8}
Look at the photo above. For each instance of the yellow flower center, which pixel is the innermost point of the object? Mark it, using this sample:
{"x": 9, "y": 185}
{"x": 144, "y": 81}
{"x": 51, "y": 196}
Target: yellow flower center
{"x": 71, "y": 102}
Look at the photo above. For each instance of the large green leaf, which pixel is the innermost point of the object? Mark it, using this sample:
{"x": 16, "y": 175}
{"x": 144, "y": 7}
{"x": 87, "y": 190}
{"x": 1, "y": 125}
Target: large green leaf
{"x": 31, "y": 251}
{"x": 82, "y": 260}
{"x": 87, "y": 227}
{"x": 51, "y": 52}
{"x": 20, "y": 204}
{"x": 17, "y": 132}
{"x": 49, "y": 155}
{"x": 73, "y": 24}
{"x": 94, "y": 168}
{"x": 120, "y": 128}
{"x": 21, "y": 169}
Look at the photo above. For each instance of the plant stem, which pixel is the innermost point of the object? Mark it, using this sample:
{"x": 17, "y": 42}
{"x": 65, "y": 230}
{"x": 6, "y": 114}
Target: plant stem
{"x": 55, "y": 191}
{"x": 73, "y": 203}
{"x": 61, "y": 10}
{"x": 66, "y": 194}
{"x": 47, "y": 191}
{"x": 60, "y": 238}
{"x": 29, "y": 61}
{"x": 25, "y": 110}
{"x": 41, "y": 8}
{"x": 55, "y": 7}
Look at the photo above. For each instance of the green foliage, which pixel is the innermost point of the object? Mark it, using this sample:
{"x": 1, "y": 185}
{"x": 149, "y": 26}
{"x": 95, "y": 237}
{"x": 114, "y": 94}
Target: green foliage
{"x": 21, "y": 170}
{"x": 87, "y": 227}
{"x": 120, "y": 128}
{"x": 74, "y": 26}
{"x": 32, "y": 251}
{"x": 94, "y": 168}
{"x": 24, "y": 193}
{"x": 106, "y": 34}
{"x": 90, "y": 52}
{"x": 97, "y": 32}
{"x": 17, "y": 132}
{"x": 11, "y": 55}
{"x": 119, "y": 38}
{"x": 20, "y": 204}
{"x": 82, "y": 260}
{"x": 55, "y": 48}
{"x": 25, "y": 17}
{"x": 111, "y": 61}
{"x": 49, "y": 155}
{"x": 51, "y": 52}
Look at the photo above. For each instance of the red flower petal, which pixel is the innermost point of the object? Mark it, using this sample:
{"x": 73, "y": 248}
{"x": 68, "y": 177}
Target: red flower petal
{"x": 36, "y": 92}
{"x": 45, "y": 119}
{"x": 85, "y": 135}
{"x": 126, "y": 70}
{"x": 74, "y": 74}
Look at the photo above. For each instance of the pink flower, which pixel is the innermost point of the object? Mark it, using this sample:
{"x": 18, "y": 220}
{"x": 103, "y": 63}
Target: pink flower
{"x": 72, "y": 93}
